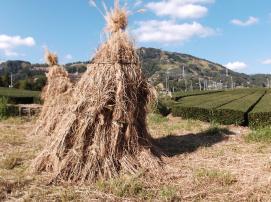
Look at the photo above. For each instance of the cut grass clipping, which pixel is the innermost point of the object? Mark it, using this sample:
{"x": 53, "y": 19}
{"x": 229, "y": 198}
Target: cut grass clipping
{"x": 102, "y": 131}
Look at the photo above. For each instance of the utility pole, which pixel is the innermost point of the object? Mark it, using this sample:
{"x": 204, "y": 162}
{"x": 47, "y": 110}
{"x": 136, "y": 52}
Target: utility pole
{"x": 199, "y": 85}
{"x": 167, "y": 86}
{"x": 183, "y": 72}
{"x": 191, "y": 86}
{"x": 11, "y": 81}
{"x": 231, "y": 83}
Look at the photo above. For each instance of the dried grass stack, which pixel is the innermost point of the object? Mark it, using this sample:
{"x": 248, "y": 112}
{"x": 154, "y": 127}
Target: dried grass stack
{"x": 54, "y": 94}
{"x": 103, "y": 131}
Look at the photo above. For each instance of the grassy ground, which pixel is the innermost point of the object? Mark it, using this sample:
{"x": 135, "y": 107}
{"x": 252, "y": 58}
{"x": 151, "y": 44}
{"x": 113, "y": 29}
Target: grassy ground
{"x": 205, "y": 162}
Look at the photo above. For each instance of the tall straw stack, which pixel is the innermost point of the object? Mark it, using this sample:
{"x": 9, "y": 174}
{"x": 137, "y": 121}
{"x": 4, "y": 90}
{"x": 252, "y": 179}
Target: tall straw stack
{"x": 55, "y": 95}
{"x": 103, "y": 131}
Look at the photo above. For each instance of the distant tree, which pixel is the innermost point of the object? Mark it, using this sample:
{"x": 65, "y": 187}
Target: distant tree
{"x": 25, "y": 84}
{"x": 5, "y": 79}
{"x": 39, "y": 83}
{"x": 1, "y": 82}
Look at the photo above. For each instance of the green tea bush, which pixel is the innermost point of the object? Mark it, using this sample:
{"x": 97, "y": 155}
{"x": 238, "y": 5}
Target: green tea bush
{"x": 18, "y": 96}
{"x": 229, "y": 107}
{"x": 179, "y": 95}
{"x": 202, "y": 114}
{"x": 164, "y": 106}
{"x": 260, "y": 116}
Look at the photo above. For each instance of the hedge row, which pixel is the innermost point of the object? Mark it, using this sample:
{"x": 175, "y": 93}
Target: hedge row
{"x": 164, "y": 106}
{"x": 237, "y": 111}
{"x": 180, "y": 95}
{"x": 205, "y": 110}
{"x": 260, "y": 116}
{"x": 7, "y": 110}
{"x": 17, "y": 96}
{"x": 203, "y": 114}
{"x": 214, "y": 100}
{"x": 230, "y": 107}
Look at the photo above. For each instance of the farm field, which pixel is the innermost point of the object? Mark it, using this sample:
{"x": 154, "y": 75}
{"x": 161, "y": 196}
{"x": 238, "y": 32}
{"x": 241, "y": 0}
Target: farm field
{"x": 179, "y": 95}
{"x": 227, "y": 107}
{"x": 204, "y": 162}
{"x": 19, "y": 96}
{"x": 260, "y": 116}
{"x": 12, "y": 92}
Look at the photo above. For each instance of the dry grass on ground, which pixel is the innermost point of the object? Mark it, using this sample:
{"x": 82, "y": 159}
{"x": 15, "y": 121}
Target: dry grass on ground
{"x": 205, "y": 162}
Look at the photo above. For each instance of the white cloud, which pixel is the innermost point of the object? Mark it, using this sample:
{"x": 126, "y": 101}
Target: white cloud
{"x": 138, "y": 3}
{"x": 181, "y": 9}
{"x": 170, "y": 31}
{"x": 9, "y": 43}
{"x": 68, "y": 57}
{"x": 10, "y": 53}
{"x": 1, "y": 61}
{"x": 267, "y": 62}
{"x": 250, "y": 21}
{"x": 236, "y": 65}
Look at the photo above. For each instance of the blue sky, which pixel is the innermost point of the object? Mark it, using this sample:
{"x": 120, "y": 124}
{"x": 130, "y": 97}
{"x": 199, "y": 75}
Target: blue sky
{"x": 235, "y": 33}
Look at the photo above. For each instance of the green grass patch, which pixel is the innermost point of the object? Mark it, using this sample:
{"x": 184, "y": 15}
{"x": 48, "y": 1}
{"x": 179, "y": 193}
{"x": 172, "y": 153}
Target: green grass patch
{"x": 122, "y": 187}
{"x": 262, "y": 135}
{"x": 3, "y": 108}
{"x": 156, "y": 118}
{"x": 168, "y": 193}
{"x": 206, "y": 176}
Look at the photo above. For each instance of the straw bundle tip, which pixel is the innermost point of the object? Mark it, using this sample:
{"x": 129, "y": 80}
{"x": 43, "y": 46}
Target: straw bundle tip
{"x": 117, "y": 19}
{"x": 50, "y": 58}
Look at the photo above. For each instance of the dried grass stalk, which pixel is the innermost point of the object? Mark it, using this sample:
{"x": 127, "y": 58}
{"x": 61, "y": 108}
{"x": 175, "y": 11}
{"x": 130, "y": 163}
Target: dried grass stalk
{"x": 50, "y": 58}
{"x": 103, "y": 131}
{"x": 55, "y": 95}
{"x": 116, "y": 19}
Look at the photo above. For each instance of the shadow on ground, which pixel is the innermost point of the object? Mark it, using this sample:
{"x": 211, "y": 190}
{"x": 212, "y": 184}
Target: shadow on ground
{"x": 172, "y": 145}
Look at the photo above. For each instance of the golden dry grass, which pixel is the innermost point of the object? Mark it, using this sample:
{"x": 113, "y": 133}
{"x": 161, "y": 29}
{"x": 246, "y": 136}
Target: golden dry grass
{"x": 206, "y": 163}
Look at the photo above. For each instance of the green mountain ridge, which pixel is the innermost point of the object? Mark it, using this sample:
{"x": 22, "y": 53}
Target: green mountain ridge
{"x": 159, "y": 66}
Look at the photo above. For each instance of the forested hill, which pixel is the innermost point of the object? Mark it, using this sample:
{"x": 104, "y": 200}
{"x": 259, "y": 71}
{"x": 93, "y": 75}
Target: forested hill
{"x": 156, "y": 64}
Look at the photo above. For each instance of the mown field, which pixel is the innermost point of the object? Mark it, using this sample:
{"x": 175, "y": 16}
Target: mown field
{"x": 246, "y": 107}
{"x": 202, "y": 162}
